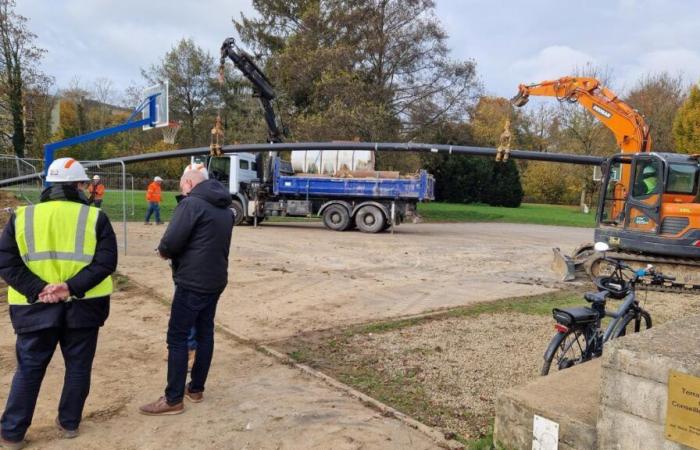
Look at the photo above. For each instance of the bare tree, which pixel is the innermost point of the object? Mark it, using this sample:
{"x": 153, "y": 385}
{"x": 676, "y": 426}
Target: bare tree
{"x": 190, "y": 70}
{"x": 658, "y": 97}
{"x": 19, "y": 58}
{"x": 104, "y": 94}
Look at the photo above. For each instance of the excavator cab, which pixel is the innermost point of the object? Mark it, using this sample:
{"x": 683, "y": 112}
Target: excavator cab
{"x": 649, "y": 204}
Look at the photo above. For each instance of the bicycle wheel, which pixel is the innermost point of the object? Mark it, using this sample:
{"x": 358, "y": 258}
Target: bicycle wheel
{"x": 632, "y": 322}
{"x": 565, "y": 350}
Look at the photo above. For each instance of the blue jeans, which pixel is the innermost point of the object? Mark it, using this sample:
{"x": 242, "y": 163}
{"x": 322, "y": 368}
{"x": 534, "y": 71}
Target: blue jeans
{"x": 189, "y": 309}
{"x": 153, "y": 207}
{"x": 192, "y": 339}
{"x": 34, "y": 351}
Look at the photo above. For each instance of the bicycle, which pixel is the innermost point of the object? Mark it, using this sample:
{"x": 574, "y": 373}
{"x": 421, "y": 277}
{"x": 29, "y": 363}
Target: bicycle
{"x": 580, "y": 336}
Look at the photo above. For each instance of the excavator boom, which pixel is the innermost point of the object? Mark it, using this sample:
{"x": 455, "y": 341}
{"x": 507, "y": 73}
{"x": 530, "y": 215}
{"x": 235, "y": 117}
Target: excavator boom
{"x": 630, "y": 130}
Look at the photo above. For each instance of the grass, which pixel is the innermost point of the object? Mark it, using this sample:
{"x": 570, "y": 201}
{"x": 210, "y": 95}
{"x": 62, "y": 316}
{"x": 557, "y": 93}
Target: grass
{"x": 335, "y": 352}
{"x": 526, "y": 213}
{"x": 136, "y": 207}
{"x": 537, "y": 305}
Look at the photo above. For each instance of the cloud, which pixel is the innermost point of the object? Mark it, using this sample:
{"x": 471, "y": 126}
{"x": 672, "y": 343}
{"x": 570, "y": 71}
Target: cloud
{"x": 89, "y": 39}
{"x": 550, "y": 63}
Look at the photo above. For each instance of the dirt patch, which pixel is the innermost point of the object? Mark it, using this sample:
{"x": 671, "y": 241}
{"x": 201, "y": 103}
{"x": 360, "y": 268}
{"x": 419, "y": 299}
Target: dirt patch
{"x": 252, "y": 401}
{"x": 446, "y": 370}
{"x": 7, "y": 200}
{"x": 291, "y": 278}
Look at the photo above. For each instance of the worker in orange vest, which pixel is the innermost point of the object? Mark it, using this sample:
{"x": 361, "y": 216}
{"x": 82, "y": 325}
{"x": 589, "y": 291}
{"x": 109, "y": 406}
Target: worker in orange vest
{"x": 153, "y": 199}
{"x": 96, "y": 192}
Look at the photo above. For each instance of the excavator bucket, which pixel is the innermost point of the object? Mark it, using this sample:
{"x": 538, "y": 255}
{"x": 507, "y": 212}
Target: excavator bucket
{"x": 520, "y": 99}
{"x": 564, "y": 266}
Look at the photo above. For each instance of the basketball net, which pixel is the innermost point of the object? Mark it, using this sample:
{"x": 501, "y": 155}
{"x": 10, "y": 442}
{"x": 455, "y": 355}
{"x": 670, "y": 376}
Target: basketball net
{"x": 170, "y": 132}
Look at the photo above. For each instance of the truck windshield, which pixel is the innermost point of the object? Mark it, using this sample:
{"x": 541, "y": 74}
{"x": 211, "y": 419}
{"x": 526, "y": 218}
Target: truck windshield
{"x": 682, "y": 179}
{"x": 219, "y": 169}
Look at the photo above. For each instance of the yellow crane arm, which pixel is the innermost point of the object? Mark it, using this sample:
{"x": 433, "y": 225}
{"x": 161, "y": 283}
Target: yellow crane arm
{"x": 630, "y": 130}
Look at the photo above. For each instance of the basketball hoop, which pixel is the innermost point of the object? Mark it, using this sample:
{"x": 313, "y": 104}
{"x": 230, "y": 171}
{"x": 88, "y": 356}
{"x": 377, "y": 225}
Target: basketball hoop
{"x": 170, "y": 132}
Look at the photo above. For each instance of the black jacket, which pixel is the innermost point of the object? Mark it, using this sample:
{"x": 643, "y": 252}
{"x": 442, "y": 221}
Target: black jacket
{"x": 198, "y": 238}
{"x": 75, "y": 314}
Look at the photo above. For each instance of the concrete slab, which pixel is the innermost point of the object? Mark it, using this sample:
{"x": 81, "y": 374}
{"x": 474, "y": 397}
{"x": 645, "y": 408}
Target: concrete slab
{"x": 569, "y": 398}
{"x": 634, "y": 384}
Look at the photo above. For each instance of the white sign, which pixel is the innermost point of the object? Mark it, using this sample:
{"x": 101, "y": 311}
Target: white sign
{"x": 545, "y": 434}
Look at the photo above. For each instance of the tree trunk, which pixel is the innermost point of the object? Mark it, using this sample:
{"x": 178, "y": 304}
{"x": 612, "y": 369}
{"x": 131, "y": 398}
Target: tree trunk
{"x": 17, "y": 111}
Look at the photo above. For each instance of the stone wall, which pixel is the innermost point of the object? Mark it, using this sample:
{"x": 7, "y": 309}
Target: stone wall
{"x": 634, "y": 384}
{"x": 615, "y": 402}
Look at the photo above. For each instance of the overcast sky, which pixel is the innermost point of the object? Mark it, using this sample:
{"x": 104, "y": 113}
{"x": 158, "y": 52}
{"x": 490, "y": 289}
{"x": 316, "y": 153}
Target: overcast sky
{"x": 512, "y": 41}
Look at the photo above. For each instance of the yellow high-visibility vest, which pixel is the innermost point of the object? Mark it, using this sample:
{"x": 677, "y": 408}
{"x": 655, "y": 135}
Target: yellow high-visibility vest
{"x": 56, "y": 240}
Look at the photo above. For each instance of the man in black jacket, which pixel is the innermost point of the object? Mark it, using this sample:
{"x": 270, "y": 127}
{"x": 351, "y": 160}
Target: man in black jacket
{"x": 197, "y": 242}
{"x": 57, "y": 257}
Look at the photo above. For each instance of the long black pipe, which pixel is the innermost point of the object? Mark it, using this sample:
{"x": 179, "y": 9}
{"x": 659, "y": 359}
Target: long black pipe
{"x": 374, "y": 146}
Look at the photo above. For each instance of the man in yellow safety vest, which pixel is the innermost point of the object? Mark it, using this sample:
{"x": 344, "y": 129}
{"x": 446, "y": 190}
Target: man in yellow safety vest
{"x": 57, "y": 257}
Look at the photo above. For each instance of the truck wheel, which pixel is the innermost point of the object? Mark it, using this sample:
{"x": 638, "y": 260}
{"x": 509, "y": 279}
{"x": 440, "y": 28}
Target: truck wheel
{"x": 251, "y": 220}
{"x": 237, "y": 209}
{"x": 336, "y": 218}
{"x": 370, "y": 219}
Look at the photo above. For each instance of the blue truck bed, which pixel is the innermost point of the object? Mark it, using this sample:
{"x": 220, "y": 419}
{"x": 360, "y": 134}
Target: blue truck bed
{"x": 421, "y": 188}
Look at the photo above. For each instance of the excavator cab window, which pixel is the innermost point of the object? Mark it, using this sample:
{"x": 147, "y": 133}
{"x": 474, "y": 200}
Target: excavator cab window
{"x": 647, "y": 178}
{"x": 615, "y": 194}
{"x": 682, "y": 179}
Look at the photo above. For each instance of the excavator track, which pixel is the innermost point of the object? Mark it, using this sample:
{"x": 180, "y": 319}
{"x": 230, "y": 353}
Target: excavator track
{"x": 686, "y": 271}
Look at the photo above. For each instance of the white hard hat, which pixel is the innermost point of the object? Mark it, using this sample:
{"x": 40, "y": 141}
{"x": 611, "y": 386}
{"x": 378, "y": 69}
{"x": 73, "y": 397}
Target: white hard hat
{"x": 66, "y": 170}
{"x": 96, "y": 177}
{"x": 197, "y": 167}
{"x": 157, "y": 179}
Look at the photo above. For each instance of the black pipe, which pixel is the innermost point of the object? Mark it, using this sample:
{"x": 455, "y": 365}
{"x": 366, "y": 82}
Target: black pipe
{"x": 377, "y": 146}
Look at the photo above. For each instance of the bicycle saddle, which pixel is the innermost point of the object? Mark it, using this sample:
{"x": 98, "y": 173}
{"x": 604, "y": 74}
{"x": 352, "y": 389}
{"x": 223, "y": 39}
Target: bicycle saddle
{"x": 595, "y": 297}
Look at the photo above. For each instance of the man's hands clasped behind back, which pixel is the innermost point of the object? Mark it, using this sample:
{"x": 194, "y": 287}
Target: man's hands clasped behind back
{"x": 54, "y": 293}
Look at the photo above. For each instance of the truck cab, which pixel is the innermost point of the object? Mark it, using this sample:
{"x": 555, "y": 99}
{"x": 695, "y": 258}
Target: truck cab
{"x": 235, "y": 171}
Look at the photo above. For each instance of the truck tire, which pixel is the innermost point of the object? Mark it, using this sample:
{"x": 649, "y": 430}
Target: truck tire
{"x": 370, "y": 219}
{"x": 237, "y": 209}
{"x": 336, "y": 218}
{"x": 251, "y": 220}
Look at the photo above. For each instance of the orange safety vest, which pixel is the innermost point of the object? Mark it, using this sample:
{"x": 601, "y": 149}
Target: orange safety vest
{"x": 153, "y": 192}
{"x": 99, "y": 190}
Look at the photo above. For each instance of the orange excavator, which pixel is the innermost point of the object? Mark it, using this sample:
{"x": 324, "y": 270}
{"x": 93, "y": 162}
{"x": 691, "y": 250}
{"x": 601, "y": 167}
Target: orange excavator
{"x": 649, "y": 208}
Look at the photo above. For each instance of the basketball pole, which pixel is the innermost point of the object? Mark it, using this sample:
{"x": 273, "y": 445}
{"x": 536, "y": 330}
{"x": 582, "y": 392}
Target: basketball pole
{"x": 150, "y": 121}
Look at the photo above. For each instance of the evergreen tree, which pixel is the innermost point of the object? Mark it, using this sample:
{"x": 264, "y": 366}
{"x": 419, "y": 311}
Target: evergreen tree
{"x": 686, "y": 126}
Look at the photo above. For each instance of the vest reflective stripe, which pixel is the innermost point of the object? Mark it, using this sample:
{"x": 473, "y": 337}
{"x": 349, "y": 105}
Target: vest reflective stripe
{"x": 33, "y": 255}
{"x": 56, "y": 240}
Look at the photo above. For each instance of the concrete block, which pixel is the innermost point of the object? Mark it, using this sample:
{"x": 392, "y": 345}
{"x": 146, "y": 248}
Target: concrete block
{"x": 652, "y": 353}
{"x": 618, "y": 430}
{"x": 636, "y": 395}
{"x": 634, "y": 384}
{"x": 569, "y": 398}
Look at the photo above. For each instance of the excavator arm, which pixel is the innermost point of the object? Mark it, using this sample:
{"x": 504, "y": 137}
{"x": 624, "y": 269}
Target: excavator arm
{"x": 262, "y": 87}
{"x": 630, "y": 130}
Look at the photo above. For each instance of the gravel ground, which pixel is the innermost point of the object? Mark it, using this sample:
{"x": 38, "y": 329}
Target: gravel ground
{"x": 463, "y": 363}
{"x": 447, "y": 372}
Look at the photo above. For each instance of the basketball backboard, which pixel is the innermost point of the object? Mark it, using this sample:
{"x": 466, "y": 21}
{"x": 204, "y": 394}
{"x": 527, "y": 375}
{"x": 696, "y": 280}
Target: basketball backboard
{"x": 160, "y": 91}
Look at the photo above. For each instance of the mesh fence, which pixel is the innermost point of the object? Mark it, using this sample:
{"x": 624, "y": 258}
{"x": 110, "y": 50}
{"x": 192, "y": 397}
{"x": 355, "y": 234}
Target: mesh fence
{"x": 119, "y": 201}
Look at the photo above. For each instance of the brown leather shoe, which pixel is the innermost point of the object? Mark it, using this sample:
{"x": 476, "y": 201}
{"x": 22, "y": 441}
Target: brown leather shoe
{"x": 65, "y": 433}
{"x": 161, "y": 408}
{"x": 194, "y": 397}
{"x": 9, "y": 445}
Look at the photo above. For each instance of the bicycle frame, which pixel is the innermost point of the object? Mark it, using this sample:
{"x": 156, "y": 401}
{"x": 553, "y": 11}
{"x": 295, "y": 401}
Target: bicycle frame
{"x": 594, "y": 341}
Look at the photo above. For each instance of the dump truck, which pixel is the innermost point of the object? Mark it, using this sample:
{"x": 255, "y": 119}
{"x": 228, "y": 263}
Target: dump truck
{"x": 370, "y": 201}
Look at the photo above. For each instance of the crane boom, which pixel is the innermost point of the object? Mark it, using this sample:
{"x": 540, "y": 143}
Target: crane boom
{"x": 630, "y": 130}
{"x": 262, "y": 87}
